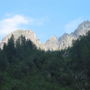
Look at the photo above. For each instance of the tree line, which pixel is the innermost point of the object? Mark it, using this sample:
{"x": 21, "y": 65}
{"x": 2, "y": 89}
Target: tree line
{"x": 24, "y": 67}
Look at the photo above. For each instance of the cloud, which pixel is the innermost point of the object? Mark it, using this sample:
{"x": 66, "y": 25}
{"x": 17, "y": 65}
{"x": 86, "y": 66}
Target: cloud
{"x": 10, "y": 24}
{"x": 72, "y": 25}
{"x": 13, "y": 23}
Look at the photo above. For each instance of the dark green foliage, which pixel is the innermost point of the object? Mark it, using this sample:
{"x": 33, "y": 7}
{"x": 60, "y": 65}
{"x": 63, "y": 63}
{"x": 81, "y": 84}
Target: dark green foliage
{"x": 23, "y": 67}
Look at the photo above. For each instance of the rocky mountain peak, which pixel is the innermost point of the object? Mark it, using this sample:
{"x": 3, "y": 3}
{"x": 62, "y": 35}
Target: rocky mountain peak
{"x": 85, "y": 24}
{"x": 53, "y": 43}
{"x": 66, "y": 40}
{"x": 53, "y": 38}
{"x": 82, "y": 29}
{"x": 28, "y": 34}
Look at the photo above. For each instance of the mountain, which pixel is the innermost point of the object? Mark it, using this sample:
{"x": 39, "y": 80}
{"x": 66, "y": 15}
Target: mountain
{"x": 28, "y": 34}
{"x": 82, "y": 29}
{"x": 53, "y": 43}
{"x": 23, "y": 67}
{"x": 66, "y": 40}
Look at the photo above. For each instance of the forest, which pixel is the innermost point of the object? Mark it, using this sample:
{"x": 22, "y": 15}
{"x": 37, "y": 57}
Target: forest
{"x": 24, "y": 67}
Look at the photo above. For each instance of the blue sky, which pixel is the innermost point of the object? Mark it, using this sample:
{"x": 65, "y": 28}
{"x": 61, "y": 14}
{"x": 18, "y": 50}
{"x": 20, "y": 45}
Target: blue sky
{"x": 46, "y": 18}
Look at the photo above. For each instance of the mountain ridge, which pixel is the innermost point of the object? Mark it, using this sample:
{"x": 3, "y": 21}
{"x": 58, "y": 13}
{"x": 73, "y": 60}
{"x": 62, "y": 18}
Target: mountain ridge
{"x": 53, "y": 43}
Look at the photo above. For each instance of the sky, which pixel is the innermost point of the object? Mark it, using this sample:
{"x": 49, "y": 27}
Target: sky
{"x": 46, "y": 18}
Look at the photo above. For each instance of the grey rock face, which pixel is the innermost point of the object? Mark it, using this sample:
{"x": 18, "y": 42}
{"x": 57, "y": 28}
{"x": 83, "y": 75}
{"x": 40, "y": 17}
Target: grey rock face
{"x": 82, "y": 29}
{"x": 66, "y": 40}
{"x": 53, "y": 43}
{"x": 28, "y": 34}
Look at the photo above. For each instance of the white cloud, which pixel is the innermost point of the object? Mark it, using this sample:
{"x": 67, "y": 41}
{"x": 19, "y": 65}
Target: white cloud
{"x": 13, "y": 23}
{"x": 10, "y": 24}
{"x": 72, "y": 25}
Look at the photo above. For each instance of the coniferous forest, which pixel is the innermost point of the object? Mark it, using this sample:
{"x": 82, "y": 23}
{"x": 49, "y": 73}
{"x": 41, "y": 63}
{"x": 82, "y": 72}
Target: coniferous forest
{"x": 24, "y": 67}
